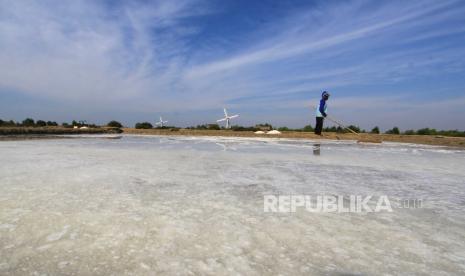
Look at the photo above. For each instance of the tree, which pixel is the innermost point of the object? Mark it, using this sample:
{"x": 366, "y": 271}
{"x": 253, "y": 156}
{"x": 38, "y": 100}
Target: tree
{"x": 50, "y": 123}
{"x": 331, "y": 129}
{"x": 242, "y": 128}
{"x": 199, "y": 127}
{"x": 115, "y": 124}
{"x": 213, "y": 127}
{"x": 41, "y": 123}
{"x": 264, "y": 127}
{"x": 283, "y": 128}
{"x": 308, "y": 128}
{"x": 7, "y": 123}
{"x": 355, "y": 128}
{"x": 375, "y": 130}
{"x": 144, "y": 125}
{"x": 394, "y": 130}
{"x": 28, "y": 122}
{"x": 427, "y": 131}
{"x": 455, "y": 133}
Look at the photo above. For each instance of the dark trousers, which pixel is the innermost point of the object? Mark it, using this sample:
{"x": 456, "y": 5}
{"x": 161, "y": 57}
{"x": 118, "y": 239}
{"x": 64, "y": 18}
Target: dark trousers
{"x": 319, "y": 125}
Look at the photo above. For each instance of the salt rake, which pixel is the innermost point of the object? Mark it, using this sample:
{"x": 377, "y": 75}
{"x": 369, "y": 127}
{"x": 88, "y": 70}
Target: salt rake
{"x": 361, "y": 138}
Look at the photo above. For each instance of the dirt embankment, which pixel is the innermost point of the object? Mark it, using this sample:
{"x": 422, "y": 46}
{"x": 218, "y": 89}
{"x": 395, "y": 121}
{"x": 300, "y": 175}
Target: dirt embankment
{"x": 7, "y": 133}
{"x": 416, "y": 139}
{"x": 37, "y": 131}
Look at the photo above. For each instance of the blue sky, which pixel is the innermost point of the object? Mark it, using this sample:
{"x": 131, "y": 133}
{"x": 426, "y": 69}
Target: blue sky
{"x": 385, "y": 63}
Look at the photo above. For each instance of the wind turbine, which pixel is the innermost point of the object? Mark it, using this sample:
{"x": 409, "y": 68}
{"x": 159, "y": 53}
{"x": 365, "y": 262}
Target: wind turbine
{"x": 227, "y": 118}
{"x": 161, "y": 122}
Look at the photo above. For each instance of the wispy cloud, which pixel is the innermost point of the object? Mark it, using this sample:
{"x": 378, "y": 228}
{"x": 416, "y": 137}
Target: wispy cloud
{"x": 147, "y": 57}
{"x": 86, "y": 51}
{"x": 302, "y": 42}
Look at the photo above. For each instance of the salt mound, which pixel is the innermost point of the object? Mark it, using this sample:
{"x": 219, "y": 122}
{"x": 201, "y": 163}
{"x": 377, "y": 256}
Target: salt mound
{"x": 259, "y": 132}
{"x": 273, "y": 132}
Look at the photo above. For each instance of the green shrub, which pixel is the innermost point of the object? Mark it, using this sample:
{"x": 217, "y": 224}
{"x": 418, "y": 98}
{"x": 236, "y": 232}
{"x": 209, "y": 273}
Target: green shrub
{"x": 41, "y": 123}
{"x": 455, "y": 133}
{"x": 144, "y": 125}
{"x": 426, "y": 131}
{"x": 242, "y": 128}
{"x": 198, "y": 127}
{"x": 354, "y": 128}
{"x": 115, "y": 124}
{"x": 330, "y": 129}
{"x": 265, "y": 126}
{"x": 375, "y": 130}
{"x": 28, "y": 122}
{"x": 394, "y": 130}
{"x": 308, "y": 128}
{"x": 213, "y": 127}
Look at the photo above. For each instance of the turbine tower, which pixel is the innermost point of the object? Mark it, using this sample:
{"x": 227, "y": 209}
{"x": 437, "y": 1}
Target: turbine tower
{"x": 161, "y": 122}
{"x": 227, "y": 118}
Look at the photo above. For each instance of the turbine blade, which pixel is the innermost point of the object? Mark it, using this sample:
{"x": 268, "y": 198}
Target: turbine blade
{"x": 221, "y": 120}
{"x": 234, "y": 116}
{"x": 225, "y": 112}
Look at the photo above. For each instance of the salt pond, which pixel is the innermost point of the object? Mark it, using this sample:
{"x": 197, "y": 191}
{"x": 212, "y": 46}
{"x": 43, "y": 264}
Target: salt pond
{"x": 193, "y": 205}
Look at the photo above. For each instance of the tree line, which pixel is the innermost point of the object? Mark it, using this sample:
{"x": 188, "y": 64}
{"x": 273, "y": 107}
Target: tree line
{"x": 309, "y": 128}
{"x": 29, "y": 122}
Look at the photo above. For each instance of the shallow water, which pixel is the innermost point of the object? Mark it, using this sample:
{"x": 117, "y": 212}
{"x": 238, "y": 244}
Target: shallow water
{"x": 191, "y": 205}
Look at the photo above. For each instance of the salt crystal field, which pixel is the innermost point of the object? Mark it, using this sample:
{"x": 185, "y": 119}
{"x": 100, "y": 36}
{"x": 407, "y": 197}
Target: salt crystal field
{"x": 145, "y": 205}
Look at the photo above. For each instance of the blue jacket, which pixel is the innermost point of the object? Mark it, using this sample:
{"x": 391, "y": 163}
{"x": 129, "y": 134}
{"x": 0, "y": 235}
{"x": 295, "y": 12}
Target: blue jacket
{"x": 322, "y": 108}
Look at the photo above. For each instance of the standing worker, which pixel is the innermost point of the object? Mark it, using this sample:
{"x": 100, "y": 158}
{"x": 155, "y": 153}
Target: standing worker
{"x": 321, "y": 112}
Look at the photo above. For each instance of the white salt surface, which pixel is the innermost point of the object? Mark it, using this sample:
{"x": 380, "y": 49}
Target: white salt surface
{"x": 163, "y": 205}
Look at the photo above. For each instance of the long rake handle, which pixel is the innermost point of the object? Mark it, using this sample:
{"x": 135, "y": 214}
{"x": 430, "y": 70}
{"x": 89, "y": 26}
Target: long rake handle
{"x": 341, "y": 125}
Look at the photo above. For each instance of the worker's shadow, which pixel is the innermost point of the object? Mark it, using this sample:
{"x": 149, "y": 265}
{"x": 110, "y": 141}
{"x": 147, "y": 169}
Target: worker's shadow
{"x": 316, "y": 149}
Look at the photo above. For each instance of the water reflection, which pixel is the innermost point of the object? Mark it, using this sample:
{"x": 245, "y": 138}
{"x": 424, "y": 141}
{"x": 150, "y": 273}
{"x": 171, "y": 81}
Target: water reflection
{"x": 227, "y": 146}
{"x": 316, "y": 149}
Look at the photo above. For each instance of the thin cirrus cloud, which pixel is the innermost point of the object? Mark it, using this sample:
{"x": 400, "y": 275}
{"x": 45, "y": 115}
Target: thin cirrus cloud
{"x": 130, "y": 60}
